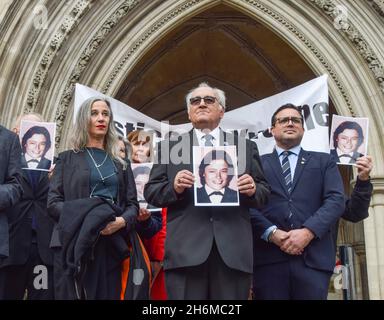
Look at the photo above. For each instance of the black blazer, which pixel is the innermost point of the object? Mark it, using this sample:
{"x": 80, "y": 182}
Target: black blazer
{"x": 70, "y": 181}
{"x": 229, "y": 196}
{"x": 191, "y": 230}
{"x": 34, "y": 200}
{"x": 10, "y": 188}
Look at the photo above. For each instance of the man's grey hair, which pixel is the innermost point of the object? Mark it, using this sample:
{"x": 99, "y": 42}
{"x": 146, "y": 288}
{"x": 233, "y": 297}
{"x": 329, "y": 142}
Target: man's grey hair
{"x": 219, "y": 94}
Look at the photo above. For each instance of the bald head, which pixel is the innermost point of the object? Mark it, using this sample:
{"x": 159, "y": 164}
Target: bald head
{"x": 29, "y": 117}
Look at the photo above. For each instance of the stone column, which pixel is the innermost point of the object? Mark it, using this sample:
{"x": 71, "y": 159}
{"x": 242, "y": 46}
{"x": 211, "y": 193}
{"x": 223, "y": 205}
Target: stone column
{"x": 374, "y": 241}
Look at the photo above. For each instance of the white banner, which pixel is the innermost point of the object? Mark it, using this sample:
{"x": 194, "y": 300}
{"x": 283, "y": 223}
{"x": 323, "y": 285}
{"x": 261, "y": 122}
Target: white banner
{"x": 252, "y": 120}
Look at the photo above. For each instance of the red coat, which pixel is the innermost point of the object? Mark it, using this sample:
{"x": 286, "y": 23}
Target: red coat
{"x": 155, "y": 249}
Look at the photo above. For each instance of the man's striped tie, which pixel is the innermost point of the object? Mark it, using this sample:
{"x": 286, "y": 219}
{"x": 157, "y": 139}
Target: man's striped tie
{"x": 286, "y": 170}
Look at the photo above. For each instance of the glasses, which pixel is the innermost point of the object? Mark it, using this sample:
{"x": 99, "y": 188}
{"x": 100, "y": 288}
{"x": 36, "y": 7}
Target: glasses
{"x": 285, "y": 120}
{"x": 195, "y": 101}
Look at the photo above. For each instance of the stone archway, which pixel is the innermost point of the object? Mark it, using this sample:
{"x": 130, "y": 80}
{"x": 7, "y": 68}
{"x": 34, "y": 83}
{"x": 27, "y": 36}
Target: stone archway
{"x": 100, "y": 43}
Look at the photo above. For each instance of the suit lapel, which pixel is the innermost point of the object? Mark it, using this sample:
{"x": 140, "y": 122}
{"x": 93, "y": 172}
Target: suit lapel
{"x": 192, "y": 143}
{"x": 302, "y": 161}
{"x": 23, "y": 162}
{"x": 82, "y": 163}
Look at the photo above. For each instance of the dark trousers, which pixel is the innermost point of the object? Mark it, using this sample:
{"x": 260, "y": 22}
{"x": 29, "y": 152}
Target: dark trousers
{"x": 102, "y": 279}
{"x": 58, "y": 275}
{"x": 2, "y": 283}
{"x": 19, "y": 278}
{"x": 212, "y": 280}
{"x": 290, "y": 280}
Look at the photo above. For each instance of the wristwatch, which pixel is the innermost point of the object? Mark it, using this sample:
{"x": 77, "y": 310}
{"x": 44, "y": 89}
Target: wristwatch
{"x": 271, "y": 234}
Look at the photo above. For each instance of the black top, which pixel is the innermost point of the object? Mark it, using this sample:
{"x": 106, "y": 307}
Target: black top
{"x": 103, "y": 181}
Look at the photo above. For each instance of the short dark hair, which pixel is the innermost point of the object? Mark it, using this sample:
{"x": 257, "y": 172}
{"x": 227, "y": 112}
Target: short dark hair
{"x": 37, "y": 130}
{"x": 215, "y": 155}
{"x": 286, "y": 106}
{"x": 141, "y": 170}
{"x": 348, "y": 125}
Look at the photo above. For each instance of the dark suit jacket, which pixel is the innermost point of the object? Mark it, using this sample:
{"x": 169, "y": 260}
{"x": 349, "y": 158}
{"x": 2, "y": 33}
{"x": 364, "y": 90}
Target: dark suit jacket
{"x": 191, "y": 230}
{"x": 229, "y": 196}
{"x": 316, "y": 202}
{"x": 356, "y": 207}
{"x": 70, "y": 181}
{"x": 43, "y": 164}
{"x": 33, "y": 202}
{"x": 10, "y": 188}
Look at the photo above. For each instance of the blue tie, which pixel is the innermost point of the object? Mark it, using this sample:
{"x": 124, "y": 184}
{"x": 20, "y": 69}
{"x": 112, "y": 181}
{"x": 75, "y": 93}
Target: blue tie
{"x": 287, "y": 170}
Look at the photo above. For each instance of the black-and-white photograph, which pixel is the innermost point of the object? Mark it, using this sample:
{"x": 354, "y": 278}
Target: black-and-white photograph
{"x": 37, "y": 142}
{"x": 215, "y": 170}
{"x": 141, "y": 175}
{"x": 349, "y": 139}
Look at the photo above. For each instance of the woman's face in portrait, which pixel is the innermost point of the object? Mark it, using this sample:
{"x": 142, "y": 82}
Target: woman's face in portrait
{"x": 100, "y": 117}
{"x": 141, "y": 151}
{"x": 347, "y": 141}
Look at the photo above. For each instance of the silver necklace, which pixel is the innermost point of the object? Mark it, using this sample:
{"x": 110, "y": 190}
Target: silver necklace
{"x": 97, "y": 168}
{"x": 94, "y": 161}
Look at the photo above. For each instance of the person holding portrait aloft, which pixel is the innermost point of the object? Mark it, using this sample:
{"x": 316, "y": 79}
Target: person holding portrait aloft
{"x": 10, "y": 189}
{"x": 30, "y": 227}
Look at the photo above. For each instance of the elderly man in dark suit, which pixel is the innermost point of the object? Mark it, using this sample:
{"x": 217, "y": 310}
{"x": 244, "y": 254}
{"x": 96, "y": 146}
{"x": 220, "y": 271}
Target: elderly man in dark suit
{"x": 208, "y": 250}
{"x": 294, "y": 250}
{"x": 10, "y": 189}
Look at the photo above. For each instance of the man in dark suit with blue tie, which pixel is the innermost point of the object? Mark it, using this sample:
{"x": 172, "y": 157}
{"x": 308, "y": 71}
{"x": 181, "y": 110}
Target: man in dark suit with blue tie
{"x": 294, "y": 251}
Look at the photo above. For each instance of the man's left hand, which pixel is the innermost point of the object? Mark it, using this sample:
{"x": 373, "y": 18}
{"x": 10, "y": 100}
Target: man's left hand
{"x": 246, "y": 185}
{"x": 297, "y": 240}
